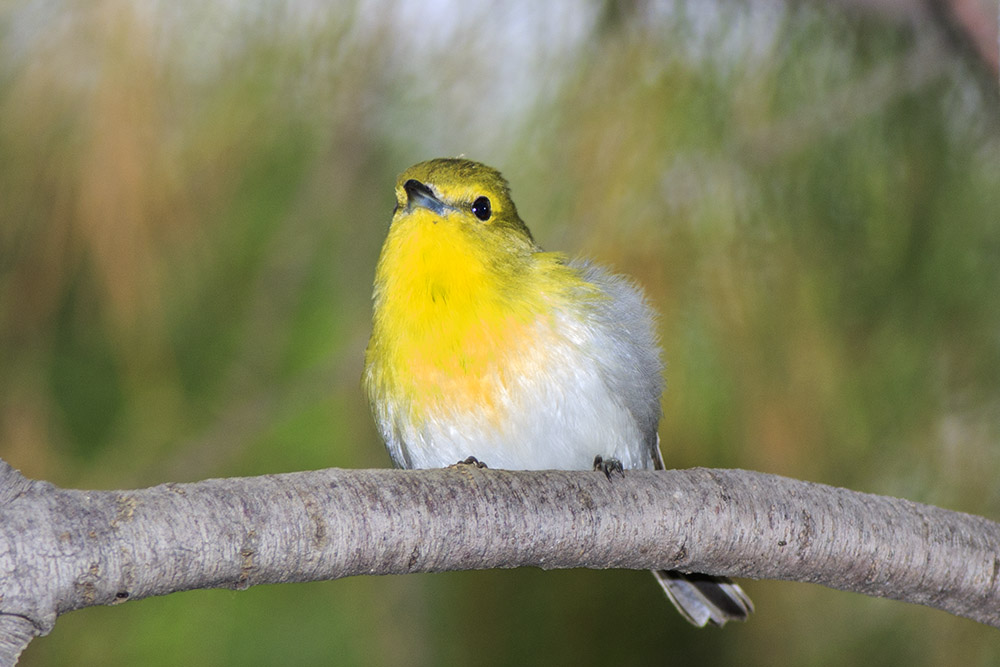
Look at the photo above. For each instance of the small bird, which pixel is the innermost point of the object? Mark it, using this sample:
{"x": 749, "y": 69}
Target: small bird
{"x": 484, "y": 345}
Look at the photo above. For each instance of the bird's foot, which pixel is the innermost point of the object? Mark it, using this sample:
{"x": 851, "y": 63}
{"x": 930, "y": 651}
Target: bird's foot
{"x": 471, "y": 461}
{"x": 608, "y": 466}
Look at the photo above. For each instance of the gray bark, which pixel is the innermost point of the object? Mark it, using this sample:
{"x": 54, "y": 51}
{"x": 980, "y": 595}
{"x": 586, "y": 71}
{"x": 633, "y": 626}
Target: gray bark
{"x": 64, "y": 549}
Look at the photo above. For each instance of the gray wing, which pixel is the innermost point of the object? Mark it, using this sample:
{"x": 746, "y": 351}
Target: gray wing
{"x": 636, "y": 376}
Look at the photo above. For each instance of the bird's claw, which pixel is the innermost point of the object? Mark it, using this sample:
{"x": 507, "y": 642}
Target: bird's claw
{"x": 470, "y": 461}
{"x": 608, "y": 466}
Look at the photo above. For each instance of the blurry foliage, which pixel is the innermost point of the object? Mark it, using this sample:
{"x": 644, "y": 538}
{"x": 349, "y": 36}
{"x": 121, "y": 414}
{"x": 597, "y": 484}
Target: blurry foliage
{"x": 192, "y": 199}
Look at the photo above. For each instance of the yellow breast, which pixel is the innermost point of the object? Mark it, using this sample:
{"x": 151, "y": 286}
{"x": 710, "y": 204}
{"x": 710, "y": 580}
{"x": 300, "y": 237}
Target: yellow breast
{"x": 452, "y": 328}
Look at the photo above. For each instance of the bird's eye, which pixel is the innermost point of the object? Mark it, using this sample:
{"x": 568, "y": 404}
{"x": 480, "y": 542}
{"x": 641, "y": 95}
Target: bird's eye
{"x": 481, "y": 208}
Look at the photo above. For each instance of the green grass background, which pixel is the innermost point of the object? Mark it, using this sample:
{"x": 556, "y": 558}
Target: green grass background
{"x": 192, "y": 200}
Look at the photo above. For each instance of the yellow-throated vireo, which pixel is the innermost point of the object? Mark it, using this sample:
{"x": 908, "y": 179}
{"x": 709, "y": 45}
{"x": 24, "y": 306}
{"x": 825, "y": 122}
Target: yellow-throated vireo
{"x": 485, "y": 345}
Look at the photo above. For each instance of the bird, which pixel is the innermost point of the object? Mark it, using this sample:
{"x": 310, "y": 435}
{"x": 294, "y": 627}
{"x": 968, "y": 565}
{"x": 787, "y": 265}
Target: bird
{"x": 487, "y": 348}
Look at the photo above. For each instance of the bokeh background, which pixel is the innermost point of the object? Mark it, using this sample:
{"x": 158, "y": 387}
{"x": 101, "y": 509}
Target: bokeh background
{"x": 192, "y": 200}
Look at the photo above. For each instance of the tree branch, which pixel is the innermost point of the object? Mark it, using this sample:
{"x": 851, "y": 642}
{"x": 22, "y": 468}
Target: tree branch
{"x": 63, "y": 549}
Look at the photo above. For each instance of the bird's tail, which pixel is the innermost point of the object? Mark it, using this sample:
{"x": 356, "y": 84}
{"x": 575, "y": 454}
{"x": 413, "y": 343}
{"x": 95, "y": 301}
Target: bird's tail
{"x": 701, "y": 598}
{"x": 704, "y": 599}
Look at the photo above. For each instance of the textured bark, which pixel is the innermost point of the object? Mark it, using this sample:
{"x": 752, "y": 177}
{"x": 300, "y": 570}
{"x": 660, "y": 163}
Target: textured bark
{"x": 64, "y": 549}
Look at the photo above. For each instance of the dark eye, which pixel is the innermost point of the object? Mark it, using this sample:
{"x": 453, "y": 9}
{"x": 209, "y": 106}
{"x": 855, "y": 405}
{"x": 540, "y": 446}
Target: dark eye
{"x": 481, "y": 208}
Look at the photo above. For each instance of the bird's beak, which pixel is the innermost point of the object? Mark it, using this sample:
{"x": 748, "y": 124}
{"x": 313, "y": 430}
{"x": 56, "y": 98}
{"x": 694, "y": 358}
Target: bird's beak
{"x": 418, "y": 194}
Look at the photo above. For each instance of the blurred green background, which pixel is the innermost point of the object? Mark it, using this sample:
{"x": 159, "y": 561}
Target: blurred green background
{"x": 192, "y": 200}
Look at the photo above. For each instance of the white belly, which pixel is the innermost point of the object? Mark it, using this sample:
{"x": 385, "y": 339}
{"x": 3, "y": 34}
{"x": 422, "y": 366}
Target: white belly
{"x": 553, "y": 410}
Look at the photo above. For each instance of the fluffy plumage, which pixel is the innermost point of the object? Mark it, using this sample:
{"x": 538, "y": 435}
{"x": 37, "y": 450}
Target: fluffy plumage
{"x": 485, "y": 345}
